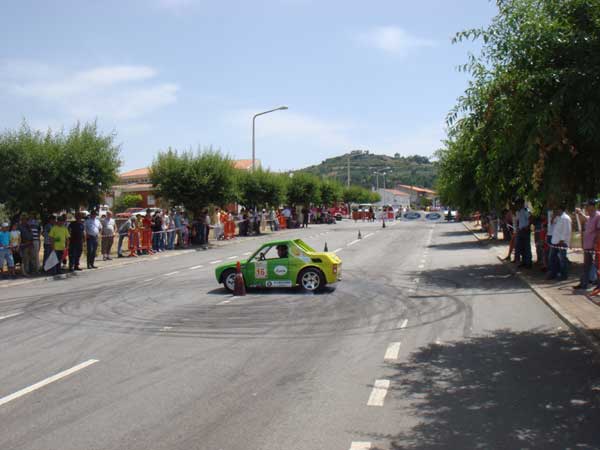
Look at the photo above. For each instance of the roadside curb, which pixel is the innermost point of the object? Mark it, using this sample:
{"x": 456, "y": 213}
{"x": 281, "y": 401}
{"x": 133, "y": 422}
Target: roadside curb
{"x": 572, "y": 322}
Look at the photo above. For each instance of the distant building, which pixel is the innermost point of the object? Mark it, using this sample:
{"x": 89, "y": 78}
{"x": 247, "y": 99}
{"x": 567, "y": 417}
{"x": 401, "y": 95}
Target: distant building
{"x": 137, "y": 181}
{"x": 393, "y": 198}
{"x": 416, "y": 193}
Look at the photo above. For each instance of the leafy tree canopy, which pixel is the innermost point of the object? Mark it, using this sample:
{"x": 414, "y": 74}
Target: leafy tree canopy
{"x": 195, "y": 180}
{"x": 261, "y": 188}
{"x": 52, "y": 171}
{"x": 529, "y": 122}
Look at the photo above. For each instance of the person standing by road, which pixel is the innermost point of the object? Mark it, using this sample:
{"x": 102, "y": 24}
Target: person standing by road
{"x": 108, "y": 235}
{"x": 178, "y": 228}
{"x": 273, "y": 223}
{"x": 76, "y": 235}
{"x": 34, "y": 226}
{"x": 5, "y": 251}
{"x": 15, "y": 244}
{"x": 206, "y": 229}
{"x": 60, "y": 241}
{"x": 27, "y": 259}
{"x": 50, "y": 222}
{"x": 124, "y": 229}
{"x": 93, "y": 227}
{"x": 561, "y": 238}
{"x": 591, "y": 220}
{"x": 523, "y": 249}
{"x": 305, "y": 217}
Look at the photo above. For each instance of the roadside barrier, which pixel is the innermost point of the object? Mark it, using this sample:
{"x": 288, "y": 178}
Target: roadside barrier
{"x": 229, "y": 232}
{"x": 133, "y": 242}
{"x": 282, "y": 223}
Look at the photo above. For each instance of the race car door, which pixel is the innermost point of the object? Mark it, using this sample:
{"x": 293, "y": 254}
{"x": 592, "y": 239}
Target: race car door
{"x": 278, "y": 269}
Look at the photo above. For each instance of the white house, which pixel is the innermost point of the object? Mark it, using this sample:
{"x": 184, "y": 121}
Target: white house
{"x": 393, "y": 198}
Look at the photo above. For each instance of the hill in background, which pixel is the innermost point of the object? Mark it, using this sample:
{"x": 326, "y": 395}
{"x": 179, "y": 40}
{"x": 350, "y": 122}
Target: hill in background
{"x": 413, "y": 170}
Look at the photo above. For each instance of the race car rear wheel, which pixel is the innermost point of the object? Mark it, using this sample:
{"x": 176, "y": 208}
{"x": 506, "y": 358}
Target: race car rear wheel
{"x": 311, "y": 280}
{"x": 228, "y": 278}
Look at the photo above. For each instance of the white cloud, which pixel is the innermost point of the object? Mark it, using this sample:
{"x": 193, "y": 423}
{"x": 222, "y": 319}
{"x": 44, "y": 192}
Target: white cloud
{"x": 111, "y": 92}
{"x": 393, "y": 40}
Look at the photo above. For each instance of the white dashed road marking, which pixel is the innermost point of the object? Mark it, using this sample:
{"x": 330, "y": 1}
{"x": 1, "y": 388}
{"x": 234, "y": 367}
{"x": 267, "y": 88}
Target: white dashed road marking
{"x": 8, "y": 316}
{"x": 247, "y": 253}
{"x": 337, "y": 250}
{"x": 148, "y": 279}
{"x": 353, "y": 242}
{"x": 391, "y": 354}
{"x": 216, "y": 262}
{"x": 166, "y": 328}
{"x": 378, "y": 393}
{"x": 404, "y": 323}
{"x": 421, "y": 266}
{"x": 171, "y": 273}
{"x": 360, "y": 446}
{"x": 233, "y": 257}
{"x": 46, "y": 381}
{"x": 195, "y": 267}
{"x": 367, "y": 235}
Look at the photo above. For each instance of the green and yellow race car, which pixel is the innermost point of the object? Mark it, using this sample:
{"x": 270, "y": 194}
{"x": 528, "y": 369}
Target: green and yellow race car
{"x": 287, "y": 263}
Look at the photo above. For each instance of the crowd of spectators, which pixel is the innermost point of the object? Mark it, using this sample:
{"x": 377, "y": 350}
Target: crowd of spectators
{"x": 552, "y": 232}
{"x": 58, "y": 244}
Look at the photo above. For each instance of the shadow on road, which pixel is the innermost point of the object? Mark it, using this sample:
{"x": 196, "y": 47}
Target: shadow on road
{"x": 478, "y": 276}
{"x": 507, "y": 390}
{"x": 274, "y": 291}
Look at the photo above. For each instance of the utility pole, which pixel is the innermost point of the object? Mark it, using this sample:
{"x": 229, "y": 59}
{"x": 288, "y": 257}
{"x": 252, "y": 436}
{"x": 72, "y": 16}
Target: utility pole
{"x": 348, "y": 171}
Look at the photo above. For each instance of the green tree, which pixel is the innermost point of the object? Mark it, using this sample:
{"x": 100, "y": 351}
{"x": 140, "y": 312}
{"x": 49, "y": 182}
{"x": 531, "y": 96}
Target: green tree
{"x": 303, "y": 189}
{"x": 261, "y": 188}
{"x": 357, "y": 194}
{"x": 195, "y": 180}
{"x": 529, "y": 121}
{"x": 127, "y": 201}
{"x": 331, "y": 192}
{"x": 52, "y": 171}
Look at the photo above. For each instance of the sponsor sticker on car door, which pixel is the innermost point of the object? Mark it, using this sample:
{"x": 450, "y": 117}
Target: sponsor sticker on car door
{"x": 260, "y": 270}
{"x": 280, "y": 270}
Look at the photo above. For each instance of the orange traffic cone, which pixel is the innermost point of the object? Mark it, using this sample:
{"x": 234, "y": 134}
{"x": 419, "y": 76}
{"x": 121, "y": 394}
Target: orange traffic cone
{"x": 239, "y": 288}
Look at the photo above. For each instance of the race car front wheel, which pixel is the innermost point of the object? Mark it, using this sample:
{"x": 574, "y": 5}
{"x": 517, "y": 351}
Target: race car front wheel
{"x": 229, "y": 280}
{"x": 311, "y": 280}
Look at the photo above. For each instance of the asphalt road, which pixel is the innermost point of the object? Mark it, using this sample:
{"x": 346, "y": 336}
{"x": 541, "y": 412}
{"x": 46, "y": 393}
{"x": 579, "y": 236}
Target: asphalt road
{"x": 428, "y": 342}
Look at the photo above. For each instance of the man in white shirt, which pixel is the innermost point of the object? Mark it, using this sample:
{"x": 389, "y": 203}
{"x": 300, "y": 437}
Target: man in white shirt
{"x": 108, "y": 235}
{"x": 92, "y": 228}
{"x": 523, "y": 244}
{"x": 561, "y": 238}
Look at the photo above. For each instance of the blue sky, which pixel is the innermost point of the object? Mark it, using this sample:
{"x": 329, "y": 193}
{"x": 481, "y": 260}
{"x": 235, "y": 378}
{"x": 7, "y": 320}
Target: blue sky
{"x": 377, "y": 75}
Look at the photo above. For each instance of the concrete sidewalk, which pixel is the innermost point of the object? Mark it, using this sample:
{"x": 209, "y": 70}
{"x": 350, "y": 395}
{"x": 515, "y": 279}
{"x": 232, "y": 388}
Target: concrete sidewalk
{"x": 581, "y": 312}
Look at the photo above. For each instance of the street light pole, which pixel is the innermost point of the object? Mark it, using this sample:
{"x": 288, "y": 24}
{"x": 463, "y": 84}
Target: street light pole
{"x": 377, "y": 179}
{"x": 281, "y": 108}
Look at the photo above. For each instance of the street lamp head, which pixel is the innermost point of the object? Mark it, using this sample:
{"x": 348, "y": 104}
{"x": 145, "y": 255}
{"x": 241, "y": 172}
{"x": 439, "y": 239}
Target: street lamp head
{"x": 282, "y": 108}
